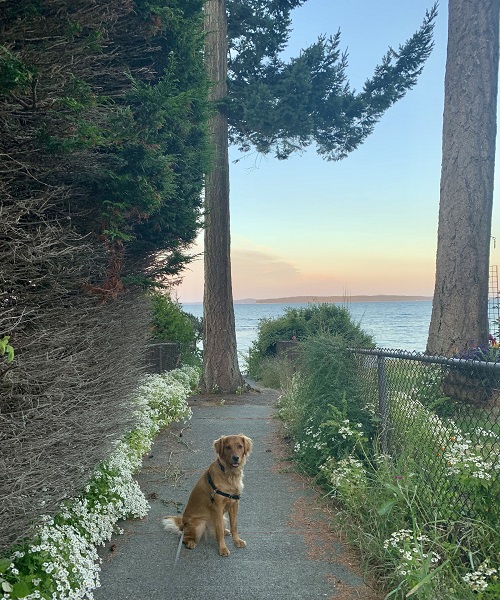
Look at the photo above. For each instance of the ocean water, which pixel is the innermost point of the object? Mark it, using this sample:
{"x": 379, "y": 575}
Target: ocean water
{"x": 395, "y": 325}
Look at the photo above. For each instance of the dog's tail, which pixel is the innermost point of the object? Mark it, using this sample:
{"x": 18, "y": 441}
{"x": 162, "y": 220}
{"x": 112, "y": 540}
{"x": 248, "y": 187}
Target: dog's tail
{"x": 173, "y": 524}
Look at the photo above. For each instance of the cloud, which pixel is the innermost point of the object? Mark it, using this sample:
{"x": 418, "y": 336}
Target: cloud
{"x": 258, "y": 272}
{"x": 263, "y": 264}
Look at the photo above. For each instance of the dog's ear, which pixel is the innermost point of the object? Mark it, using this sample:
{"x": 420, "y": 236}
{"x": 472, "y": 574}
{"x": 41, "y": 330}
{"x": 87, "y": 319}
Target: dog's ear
{"x": 219, "y": 445}
{"x": 247, "y": 443}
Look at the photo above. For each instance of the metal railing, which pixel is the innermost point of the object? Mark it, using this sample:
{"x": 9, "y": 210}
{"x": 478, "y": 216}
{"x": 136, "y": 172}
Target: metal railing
{"x": 439, "y": 421}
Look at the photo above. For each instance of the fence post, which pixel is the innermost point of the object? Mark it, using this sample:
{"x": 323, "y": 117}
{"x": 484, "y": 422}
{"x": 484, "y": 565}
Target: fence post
{"x": 382, "y": 400}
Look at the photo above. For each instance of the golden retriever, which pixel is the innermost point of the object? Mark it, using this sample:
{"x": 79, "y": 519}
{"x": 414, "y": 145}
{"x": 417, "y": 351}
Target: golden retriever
{"x": 217, "y": 492}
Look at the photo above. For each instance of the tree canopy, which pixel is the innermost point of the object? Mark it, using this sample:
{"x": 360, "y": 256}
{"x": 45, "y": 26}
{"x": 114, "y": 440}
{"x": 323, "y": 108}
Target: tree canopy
{"x": 280, "y": 107}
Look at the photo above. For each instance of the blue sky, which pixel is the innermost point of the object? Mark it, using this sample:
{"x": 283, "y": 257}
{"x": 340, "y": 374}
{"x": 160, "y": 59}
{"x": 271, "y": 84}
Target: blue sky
{"x": 367, "y": 224}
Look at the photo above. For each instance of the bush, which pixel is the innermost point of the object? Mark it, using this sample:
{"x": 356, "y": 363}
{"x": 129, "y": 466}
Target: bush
{"x": 103, "y": 110}
{"x": 301, "y": 324}
{"x": 171, "y": 324}
{"x": 390, "y": 507}
{"x": 325, "y": 412}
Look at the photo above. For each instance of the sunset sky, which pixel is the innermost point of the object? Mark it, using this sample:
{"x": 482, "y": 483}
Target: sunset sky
{"x": 364, "y": 225}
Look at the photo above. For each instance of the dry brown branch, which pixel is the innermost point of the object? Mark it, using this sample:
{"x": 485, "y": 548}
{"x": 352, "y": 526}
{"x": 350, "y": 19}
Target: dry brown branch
{"x": 66, "y": 397}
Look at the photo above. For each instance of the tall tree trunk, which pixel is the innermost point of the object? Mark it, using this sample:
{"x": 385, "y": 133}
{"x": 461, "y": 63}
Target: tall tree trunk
{"x": 460, "y": 306}
{"x": 220, "y": 360}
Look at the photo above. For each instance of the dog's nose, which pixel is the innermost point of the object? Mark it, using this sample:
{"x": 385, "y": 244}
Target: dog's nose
{"x": 236, "y": 459}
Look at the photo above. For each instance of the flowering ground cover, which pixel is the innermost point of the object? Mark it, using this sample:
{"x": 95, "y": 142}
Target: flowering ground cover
{"x": 61, "y": 561}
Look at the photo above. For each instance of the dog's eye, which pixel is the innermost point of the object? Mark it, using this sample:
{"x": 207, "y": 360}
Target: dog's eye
{"x": 240, "y": 446}
{"x": 228, "y": 447}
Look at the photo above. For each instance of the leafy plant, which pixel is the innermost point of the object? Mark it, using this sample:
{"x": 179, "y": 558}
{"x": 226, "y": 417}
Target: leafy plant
{"x": 169, "y": 323}
{"x": 14, "y": 75}
{"x": 6, "y": 349}
{"x": 302, "y": 323}
{"x": 423, "y": 518}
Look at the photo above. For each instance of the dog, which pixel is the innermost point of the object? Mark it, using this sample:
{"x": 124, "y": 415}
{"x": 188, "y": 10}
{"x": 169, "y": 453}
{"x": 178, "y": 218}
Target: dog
{"x": 218, "y": 491}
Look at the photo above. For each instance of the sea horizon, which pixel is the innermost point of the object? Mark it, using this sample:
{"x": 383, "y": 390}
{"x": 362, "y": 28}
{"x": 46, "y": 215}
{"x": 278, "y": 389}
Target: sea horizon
{"x": 345, "y": 299}
{"x": 401, "y": 325}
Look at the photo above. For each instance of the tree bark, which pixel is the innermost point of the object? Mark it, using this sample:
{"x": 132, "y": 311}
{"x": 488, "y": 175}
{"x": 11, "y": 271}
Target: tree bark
{"x": 460, "y": 306}
{"x": 220, "y": 360}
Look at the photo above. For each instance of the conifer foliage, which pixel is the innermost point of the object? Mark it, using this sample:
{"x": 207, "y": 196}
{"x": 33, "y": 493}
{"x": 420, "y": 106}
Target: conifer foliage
{"x": 102, "y": 156}
{"x": 280, "y": 107}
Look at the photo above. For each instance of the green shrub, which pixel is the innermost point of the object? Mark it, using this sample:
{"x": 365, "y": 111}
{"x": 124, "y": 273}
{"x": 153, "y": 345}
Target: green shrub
{"x": 324, "y": 396}
{"x": 323, "y": 405}
{"x": 171, "y": 324}
{"x": 301, "y": 324}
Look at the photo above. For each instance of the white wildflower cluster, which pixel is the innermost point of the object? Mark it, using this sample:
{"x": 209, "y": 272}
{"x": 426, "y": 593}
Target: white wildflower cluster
{"x": 418, "y": 416}
{"x": 462, "y": 456}
{"x": 68, "y": 563}
{"x": 161, "y": 398}
{"x": 462, "y": 459}
{"x": 64, "y": 548}
{"x": 344, "y": 474}
{"x": 477, "y": 579}
{"x": 123, "y": 497}
{"x": 315, "y": 438}
{"x": 312, "y": 440}
{"x": 382, "y": 459}
{"x": 347, "y": 430}
{"x": 411, "y": 552}
{"x": 486, "y": 433}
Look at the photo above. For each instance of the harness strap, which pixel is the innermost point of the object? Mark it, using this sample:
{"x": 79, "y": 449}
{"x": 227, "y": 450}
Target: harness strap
{"x": 217, "y": 491}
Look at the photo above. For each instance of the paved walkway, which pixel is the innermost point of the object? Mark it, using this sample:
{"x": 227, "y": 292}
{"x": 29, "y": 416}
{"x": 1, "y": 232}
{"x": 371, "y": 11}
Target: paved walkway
{"x": 291, "y": 554}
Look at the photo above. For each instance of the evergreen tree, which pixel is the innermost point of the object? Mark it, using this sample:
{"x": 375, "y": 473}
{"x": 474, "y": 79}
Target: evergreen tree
{"x": 460, "y": 305}
{"x": 280, "y": 107}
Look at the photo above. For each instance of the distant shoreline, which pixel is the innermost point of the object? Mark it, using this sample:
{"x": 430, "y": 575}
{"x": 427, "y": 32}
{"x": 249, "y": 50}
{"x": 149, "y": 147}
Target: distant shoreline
{"x": 329, "y": 299}
{"x": 342, "y": 299}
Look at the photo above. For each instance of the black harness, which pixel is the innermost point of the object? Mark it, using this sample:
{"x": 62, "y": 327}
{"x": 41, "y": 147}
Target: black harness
{"x": 216, "y": 490}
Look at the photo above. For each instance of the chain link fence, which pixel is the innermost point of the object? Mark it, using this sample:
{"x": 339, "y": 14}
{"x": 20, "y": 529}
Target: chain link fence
{"x": 439, "y": 422}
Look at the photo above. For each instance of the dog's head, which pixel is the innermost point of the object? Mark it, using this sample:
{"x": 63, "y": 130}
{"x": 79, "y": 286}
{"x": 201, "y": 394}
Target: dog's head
{"x": 233, "y": 450}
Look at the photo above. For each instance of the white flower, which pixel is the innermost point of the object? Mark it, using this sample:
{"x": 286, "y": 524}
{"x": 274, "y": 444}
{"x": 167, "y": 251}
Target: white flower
{"x": 88, "y": 522}
{"x": 411, "y": 551}
{"x": 477, "y": 579}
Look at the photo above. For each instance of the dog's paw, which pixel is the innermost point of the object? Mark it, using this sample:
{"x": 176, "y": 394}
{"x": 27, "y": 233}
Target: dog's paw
{"x": 190, "y": 544}
{"x": 239, "y": 543}
{"x": 223, "y": 551}
{"x": 227, "y": 532}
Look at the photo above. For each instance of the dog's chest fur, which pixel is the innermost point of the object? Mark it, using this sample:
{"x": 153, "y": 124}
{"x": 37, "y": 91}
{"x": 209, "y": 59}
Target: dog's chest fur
{"x": 227, "y": 481}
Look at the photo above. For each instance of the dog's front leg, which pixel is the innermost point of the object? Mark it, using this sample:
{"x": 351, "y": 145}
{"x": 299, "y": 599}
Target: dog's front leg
{"x": 233, "y": 514}
{"x": 219, "y": 528}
